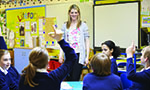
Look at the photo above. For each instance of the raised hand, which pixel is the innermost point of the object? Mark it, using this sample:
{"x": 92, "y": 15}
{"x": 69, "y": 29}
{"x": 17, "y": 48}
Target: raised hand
{"x": 130, "y": 50}
{"x": 57, "y": 34}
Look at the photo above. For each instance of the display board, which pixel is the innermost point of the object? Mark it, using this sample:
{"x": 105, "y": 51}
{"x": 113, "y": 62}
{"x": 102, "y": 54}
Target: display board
{"x": 119, "y": 22}
{"x": 49, "y": 28}
{"x": 25, "y": 25}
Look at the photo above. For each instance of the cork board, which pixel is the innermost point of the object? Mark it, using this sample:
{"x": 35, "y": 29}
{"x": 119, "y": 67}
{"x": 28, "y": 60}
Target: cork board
{"x": 49, "y": 27}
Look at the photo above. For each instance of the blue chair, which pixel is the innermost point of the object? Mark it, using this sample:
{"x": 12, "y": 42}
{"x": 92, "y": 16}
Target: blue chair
{"x": 126, "y": 83}
{"x": 121, "y": 64}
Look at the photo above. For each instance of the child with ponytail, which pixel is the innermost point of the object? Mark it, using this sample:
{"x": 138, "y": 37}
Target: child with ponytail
{"x": 35, "y": 75}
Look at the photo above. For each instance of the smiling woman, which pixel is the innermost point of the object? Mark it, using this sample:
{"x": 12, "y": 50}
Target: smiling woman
{"x": 76, "y": 34}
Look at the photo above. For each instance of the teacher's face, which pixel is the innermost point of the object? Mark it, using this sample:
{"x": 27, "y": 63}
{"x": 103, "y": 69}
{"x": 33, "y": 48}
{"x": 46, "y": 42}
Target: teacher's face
{"x": 74, "y": 14}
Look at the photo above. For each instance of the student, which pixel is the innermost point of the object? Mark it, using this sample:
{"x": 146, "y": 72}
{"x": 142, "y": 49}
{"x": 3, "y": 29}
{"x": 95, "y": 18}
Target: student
{"x": 101, "y": 78}
{"x": 9, "y": 77}
{"x": 35, "y": 75}
{"x": 113, "y": 51}
{"x": 76, "y": 34}
{"x": 140, "y": 80}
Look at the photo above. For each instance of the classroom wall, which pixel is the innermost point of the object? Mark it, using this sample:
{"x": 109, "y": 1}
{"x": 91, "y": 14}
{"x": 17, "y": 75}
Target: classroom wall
{"x": 60, "y": 11}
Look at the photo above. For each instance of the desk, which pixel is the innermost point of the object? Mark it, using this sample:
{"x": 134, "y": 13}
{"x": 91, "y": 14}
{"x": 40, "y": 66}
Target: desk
{"x": 71, "y": 85}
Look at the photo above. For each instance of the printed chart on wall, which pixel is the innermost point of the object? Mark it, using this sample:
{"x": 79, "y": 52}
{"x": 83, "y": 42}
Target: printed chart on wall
{"x": 25, "y": 25}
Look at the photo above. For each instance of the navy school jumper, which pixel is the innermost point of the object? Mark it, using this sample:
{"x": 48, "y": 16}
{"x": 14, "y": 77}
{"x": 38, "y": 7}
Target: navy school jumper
{"x": 140, "y": 80}
{"x": 52, "y": 80}
{"x": 114, "y": 68}
{"x": 2, "y": 43}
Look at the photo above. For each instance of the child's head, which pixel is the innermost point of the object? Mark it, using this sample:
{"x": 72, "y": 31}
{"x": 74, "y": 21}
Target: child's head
{"x": 38, "y": 59}
{"x": 110, "y": 49}
{"x": 5, "y": 59}
{"x": 101, "y": 64}
{"x": 145, "y": 58}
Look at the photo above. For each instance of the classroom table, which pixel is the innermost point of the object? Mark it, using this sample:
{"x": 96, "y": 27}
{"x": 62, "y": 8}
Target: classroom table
{"x": 71, "y": 85}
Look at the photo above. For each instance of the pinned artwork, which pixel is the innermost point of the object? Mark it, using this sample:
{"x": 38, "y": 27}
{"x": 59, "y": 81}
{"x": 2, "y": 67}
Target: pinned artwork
{"x": 11, "y": 39}
{"x": 33, "y": 27}
{"x": 22, "y": 42}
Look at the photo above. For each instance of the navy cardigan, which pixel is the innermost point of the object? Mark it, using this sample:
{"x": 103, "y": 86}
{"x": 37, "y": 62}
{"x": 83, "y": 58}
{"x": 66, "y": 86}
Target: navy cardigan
{"x": 114, "y": 68}
{"x": 52, "y": 80}
{"x": 94, "y": 82}
{"x": 141, "y": 80}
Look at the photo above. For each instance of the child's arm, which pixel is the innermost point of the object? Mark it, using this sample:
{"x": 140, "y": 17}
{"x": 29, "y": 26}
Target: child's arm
{"x": 3, "y": 84}
{"x": 143, "y": 76}
{"x": 131, "y": 74}
{"x": 2, "y": 43}
{"x": 60, "y": 73}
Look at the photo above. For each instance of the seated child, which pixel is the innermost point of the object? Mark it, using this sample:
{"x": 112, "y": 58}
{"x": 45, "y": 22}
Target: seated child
{"x": 101, "y": 78}
{"x": 9, "y": 76}
{"x": 140, "y": 80}
{"x": 35, "y": 75}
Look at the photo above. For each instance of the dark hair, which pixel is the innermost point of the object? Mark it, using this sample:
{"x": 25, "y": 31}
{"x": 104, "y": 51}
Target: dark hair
{"x": 116, "y": 49}
{"x": 101, "y": 64}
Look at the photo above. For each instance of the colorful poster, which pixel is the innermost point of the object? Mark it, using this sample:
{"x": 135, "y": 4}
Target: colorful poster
{"x": 22, "y": 20}
{"x": 146, "y": 21}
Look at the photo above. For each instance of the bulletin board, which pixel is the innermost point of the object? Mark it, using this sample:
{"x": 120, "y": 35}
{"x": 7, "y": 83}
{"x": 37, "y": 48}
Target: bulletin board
{"x": 25, "y": 23}
{"x": 50, "y": 21}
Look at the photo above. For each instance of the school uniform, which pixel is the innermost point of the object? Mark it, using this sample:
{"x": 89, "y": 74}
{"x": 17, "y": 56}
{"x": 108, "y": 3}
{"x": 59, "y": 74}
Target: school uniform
{"x": 52, "y": 80}
{"x": 9, "y": 79}
{"x": 140, "y": 80}
{"x": 7, "y": 82}
{"x": 4, "y": 81}
{"x": 94, "y": 82}
{"x": 114, "y": 68}
{"x": 2, "y": 43}
{"x": 15, "y": 77}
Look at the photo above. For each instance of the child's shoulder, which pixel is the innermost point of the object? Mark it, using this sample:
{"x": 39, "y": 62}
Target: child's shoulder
{"x": 114, "y": 76}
